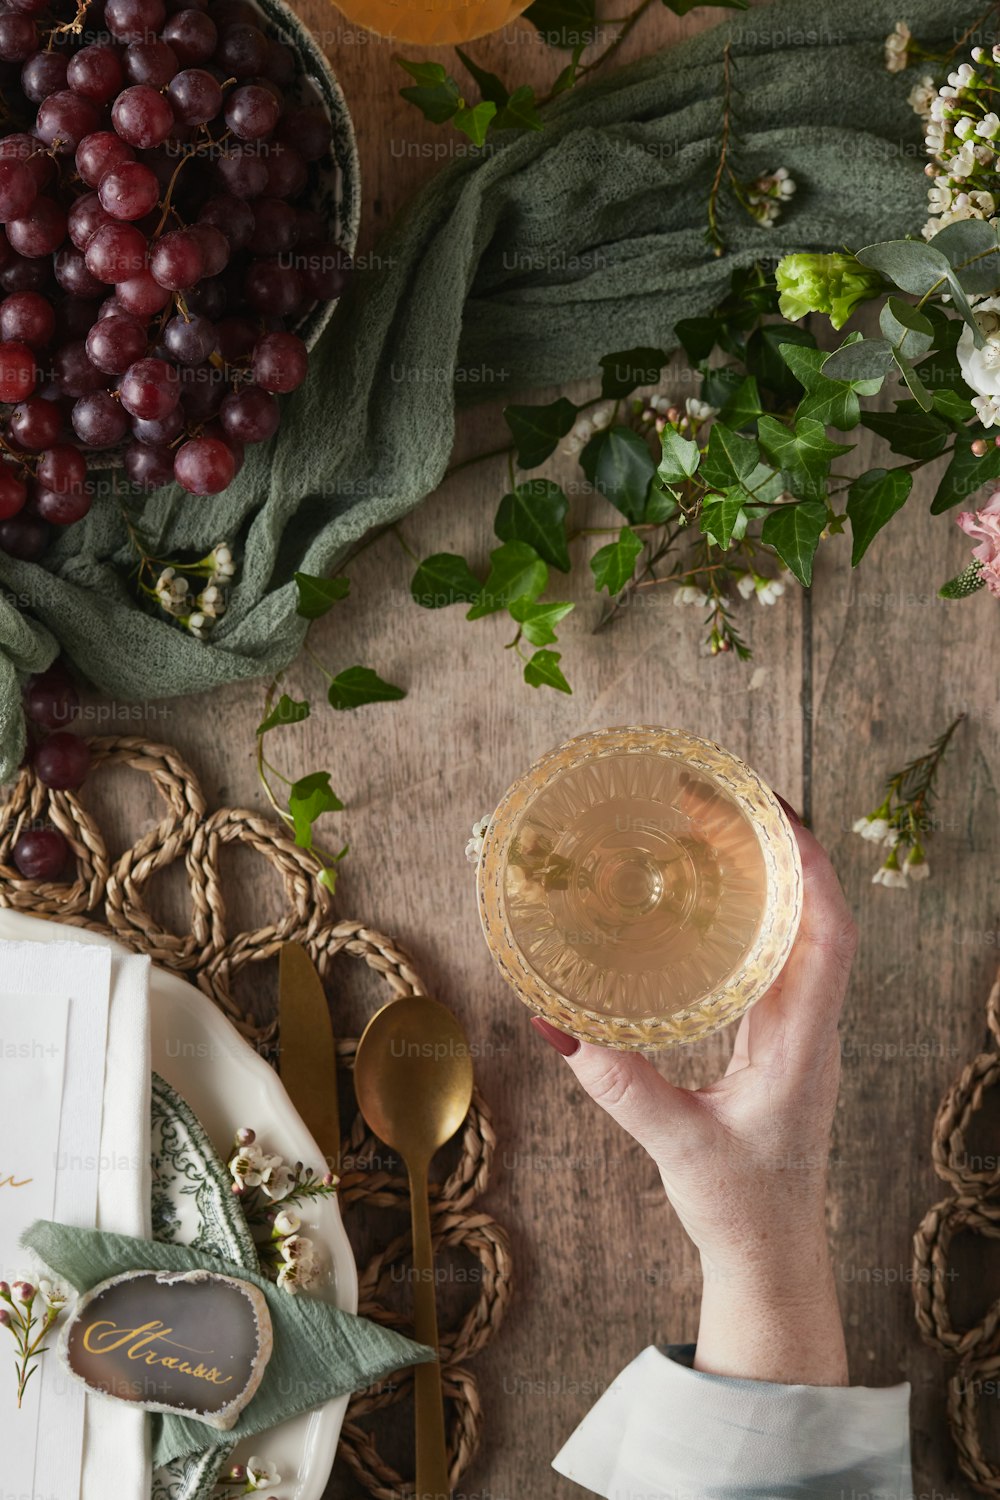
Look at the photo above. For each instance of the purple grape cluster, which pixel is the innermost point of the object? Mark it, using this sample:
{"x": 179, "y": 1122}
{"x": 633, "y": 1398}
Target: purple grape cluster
{"x": 60, "y": 760}
{"x": 156, "y": 247}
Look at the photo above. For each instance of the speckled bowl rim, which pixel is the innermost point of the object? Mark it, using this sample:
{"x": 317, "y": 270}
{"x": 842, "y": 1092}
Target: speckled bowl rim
{"x": 778, "y": 927}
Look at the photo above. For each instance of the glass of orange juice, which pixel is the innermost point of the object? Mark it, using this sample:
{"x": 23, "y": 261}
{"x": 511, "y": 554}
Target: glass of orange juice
{"x": 640, "y": 887}
{"x": 432, "y": 23}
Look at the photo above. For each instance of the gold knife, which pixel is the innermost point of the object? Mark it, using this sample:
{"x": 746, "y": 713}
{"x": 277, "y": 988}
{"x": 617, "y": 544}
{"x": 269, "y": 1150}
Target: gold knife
{"x": 307, "y": 1052}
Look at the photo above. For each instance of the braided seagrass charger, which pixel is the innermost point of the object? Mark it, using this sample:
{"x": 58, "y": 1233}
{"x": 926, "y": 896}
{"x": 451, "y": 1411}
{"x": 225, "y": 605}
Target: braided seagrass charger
{"x": 109, "y": 896}
{"x": 974, "y": 1208}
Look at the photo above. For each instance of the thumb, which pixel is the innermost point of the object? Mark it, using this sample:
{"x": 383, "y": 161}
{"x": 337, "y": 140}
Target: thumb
{"x": 664, "y": 1119}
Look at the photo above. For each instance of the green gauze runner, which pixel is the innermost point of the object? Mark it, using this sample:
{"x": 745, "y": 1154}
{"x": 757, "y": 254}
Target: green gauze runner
{"x": 519, "y": 267}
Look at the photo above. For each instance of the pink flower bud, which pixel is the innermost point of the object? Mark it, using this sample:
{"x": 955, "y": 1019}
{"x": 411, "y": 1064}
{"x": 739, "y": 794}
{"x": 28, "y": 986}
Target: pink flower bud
{"x": 4, "y": 1291}
{"x": 979, "y": 448}
{"x": 24, "y": 1292}
{"x": 237, "y": 1473}
{"x": 5, "y": 1318}
{"x": 245, "y": 1136}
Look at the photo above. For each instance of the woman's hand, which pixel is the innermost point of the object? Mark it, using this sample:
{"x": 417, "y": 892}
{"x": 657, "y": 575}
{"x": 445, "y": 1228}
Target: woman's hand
{"x": 744, "y": 1160}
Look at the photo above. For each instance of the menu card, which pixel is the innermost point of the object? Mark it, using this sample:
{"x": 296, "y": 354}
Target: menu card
{"x": 53, "y": 1038}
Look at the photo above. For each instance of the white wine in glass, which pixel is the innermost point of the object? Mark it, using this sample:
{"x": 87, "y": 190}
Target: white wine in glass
{"x": 432, "y": 23}
{"x": 640, "y": 887}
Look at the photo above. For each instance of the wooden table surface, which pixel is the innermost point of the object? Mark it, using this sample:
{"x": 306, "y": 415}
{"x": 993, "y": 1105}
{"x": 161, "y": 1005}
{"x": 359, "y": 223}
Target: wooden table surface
{"x": 843, "y": 687}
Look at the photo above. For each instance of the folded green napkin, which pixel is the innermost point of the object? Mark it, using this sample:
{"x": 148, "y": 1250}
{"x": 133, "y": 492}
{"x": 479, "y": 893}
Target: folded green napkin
{"x": 319, "y": 1351}
{"x": 517, "y": 266}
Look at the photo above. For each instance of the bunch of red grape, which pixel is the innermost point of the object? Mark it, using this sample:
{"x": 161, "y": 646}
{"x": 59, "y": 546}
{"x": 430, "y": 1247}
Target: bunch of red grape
{"x": 157, "y": 245}
{"x": 58, "y": 758}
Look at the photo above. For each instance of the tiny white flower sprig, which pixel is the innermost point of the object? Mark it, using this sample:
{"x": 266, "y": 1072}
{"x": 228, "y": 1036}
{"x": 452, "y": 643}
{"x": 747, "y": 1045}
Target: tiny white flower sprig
{"x": 248, "y": 1479}
{"x": 901, "y": 822}
{"x": 30, "y": 1313}
{"x": 763, "y": 197}
{"x": 262, "y": 1180}
{"x": 474, "y": 847}
{"x": 192, "y": 593}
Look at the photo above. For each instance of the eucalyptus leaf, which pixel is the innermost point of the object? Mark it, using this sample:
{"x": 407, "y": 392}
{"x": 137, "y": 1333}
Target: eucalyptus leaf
{"x": 614, "y": 564}
{"x": 872, "y": 500}
{"x": 912, "y": 265}
{"x": 867, "y": 359}
{"x": 538, "y": 430}
{"x": 444, "y": 579}
{"x": 971, "y": 247}
{"x": 535, "y": 512}
{"x": 543, "y": 670}
{"x": 907, "y": 330}
{"x": 921, "y": 395}
{"x": 360, "y": 685}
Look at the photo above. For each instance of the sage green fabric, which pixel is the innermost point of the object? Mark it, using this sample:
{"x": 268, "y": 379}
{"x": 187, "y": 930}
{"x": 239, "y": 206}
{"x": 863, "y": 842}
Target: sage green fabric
{"x": 517, "y": 266}
{"x": 319, "y": 1351}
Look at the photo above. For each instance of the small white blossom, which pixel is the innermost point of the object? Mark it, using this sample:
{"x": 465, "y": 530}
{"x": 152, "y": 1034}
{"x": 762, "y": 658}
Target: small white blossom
{"x": 278, "y": 1181}
{"x": 286, "y": 1222}
{"x": 769, "y": 590}
{"x": 55, "y": 1295}
{"x": 600, "y": 417}
{"x": 916, "y": 866}
{"x": 261, "y": 1473}
{"x": 699, "y": 411}
{"x": 688, "y": 594}
{"x": 897, "y": 47}
{"x": 874, "y": 828}
{"x": 221, "y": 559}
{"x": 922, "y": 95}
{"x": 294, "y": 1274}
{"x": 474, "y": 847}
{"x": 211, "y": 601}
{"x": 250, "y": 1166}
{"x": 987, "y": 409}
{"x": 572, "y": 446}
{"x": 891, "y": 876}
{"x": 746, "y": 584}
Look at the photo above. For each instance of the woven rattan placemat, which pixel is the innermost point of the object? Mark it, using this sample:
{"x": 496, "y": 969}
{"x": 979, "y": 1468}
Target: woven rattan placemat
{"x": 109, "y": 896}
{"x": 973, "y": 1207}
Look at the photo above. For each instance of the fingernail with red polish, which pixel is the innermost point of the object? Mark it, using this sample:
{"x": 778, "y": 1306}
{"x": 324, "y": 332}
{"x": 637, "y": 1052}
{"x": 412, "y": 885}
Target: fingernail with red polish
{"x": 565, "y": 1045}
{"x": 790, "y": 810}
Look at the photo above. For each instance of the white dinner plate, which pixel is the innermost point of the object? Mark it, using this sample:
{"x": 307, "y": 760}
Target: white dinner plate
{"x": 227, "y": 1084}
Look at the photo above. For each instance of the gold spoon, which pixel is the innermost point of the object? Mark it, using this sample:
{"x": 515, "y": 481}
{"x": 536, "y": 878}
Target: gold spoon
{"x": 413, "y": 1081}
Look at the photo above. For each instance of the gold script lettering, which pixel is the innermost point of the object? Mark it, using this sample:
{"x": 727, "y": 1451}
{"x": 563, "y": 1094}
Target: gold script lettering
{"x": 12, "y": 1182}
{"x": 140, "y": 1344}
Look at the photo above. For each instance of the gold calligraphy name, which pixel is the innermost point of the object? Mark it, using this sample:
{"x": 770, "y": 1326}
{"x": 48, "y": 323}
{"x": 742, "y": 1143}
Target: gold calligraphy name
{"x": 144, "y": 1344}
{"x": 12, "y": 1182}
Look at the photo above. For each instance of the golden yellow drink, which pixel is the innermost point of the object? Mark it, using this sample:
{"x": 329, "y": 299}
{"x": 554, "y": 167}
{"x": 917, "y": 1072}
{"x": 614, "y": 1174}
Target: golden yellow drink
{"x": 432, "y": 23}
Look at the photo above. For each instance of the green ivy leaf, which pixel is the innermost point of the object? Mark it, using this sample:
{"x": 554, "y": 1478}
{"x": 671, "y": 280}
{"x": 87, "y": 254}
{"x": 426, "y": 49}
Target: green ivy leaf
{"x": 965, "y": 474}
{"x": 285, "y": 711}
{"x": 743, "y": 407}
{"x": 520, "y": 112}
{"x": 872, "y": 500}
{"x": 614, "y": 564}
{"x": 543, "y": 671}
{"x": 308, "y": 799}
{"x": 661, "y": 505}
{"x": 490, "y": 86}
{"x": 436, "y": 94}
{"x": 360, "y": 685}
{"x": 516, "y": 572}
{"x": 317, "y": 595}
{"x": 621, "y": 373}
{"x": 567, "y": 78}
{"x": 729, "y": 458}
{"x": 620, "y": 464}
{"x": 794, "y": 532}
{"x": 444, "y": 579}
{"x": 684, "y": 7}
{"x": 953, "y": 406}
{"x": 833, "y": 402}
{"x": 538, "y": 430}
{"x": 535, "y": 512}
{"x": 804, "y": 454}
{"x": 698, "y": 337}
{"x": 720, "y": 514}
{"x": 564, "y": 23}
{"x": 539, "y": 621}
{"x": 909, "y": 431}
{"x": 474, "y": 120}
{"x": 765, "y": 360}
{"x": 680, "y": 459}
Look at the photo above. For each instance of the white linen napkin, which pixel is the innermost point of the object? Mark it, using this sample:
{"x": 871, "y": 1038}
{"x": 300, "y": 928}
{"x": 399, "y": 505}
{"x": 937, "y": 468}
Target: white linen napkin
{"x": 40, "y": 957}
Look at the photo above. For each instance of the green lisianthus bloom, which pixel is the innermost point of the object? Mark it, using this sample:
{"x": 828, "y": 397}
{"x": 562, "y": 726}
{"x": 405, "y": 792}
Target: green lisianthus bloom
{"x": 834, "y": 284}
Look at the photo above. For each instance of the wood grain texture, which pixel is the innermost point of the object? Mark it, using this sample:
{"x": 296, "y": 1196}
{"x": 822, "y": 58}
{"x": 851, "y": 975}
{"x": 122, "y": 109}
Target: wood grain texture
{"x": 838, "y": 694}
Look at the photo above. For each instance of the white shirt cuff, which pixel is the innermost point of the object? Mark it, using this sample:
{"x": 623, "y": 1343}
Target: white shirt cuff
{"x": 663, "y": 1431}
